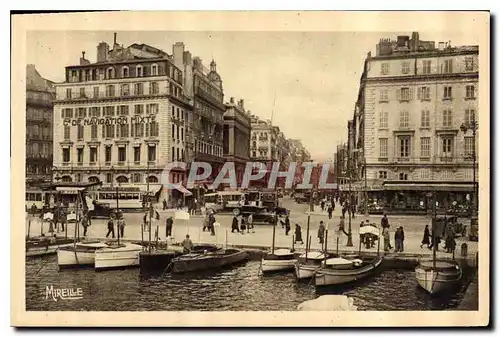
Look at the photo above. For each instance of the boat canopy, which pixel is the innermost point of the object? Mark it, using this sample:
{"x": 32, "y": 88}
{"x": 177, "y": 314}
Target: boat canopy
{"x": 369, "y": 229}
{"x": 282, "y": 252}
{"x": 314, "y": 255}
{"x": 338, "y": 261}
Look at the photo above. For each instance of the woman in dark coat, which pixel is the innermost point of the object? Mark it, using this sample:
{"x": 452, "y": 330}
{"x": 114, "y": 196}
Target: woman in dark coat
{"x": 427, "y": 237}
{"x": 298, "y": 234}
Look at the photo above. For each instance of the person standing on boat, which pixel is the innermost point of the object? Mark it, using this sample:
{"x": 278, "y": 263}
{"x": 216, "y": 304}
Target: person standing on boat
{"x": 426, "y": 239}
{"x": 298, "y": 234}
{"x": 169, "y": 225}
{"x": 187, "y": 245}
{"x": 321, "y": 232}
{"x": 234, "y": 225}
{"x": 111, "y": 227}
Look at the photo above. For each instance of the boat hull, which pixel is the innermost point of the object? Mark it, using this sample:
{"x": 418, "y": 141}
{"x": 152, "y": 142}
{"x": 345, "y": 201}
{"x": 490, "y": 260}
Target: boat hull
{"x": 437, "y": 281}
{"x": 70, "y": 258}
{"x": 42, "y": 248}
{"x": 120, "y": 257}
{"x": 305, "y": 271}
{"x": 277, "y": 265}
{"x": 207, "y": 262}
{"x": 326, "y": 277}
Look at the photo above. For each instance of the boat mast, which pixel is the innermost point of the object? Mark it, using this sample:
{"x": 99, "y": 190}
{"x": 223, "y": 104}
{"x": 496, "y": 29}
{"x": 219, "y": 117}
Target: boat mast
{"x": 117, "y": 226}
{"x": 274, "y": 233}
{"x": 76, "y": 224}
{"x": 150, "y": 207}
{"x": 307, "y": 238}
{"x": 434, "y": 232}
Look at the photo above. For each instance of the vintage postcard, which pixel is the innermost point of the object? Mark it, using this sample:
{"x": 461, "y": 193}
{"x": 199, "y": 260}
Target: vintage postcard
{"x": 250, "y": 169}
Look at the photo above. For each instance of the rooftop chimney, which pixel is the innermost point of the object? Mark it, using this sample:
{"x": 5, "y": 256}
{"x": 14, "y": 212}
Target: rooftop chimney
{"x": 441, "y": 46}
{"x": 83, "y": 61}
{"x": 242, "y": 104}
{"x": 114, "y": 41}
{"x": 231, "y": 100}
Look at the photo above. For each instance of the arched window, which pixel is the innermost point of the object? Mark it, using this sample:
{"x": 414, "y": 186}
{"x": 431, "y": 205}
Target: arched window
{"x": 139, "y": 71}
{"x": 110, "y": 73}
{"x": 122, "y": 179}
{"x": 66, "y": 179}
{"x": 125, "y": 72}
{"x": 154, "y": 70}
{"x": 152, "y": 179}
{"x": 93, "y": 179}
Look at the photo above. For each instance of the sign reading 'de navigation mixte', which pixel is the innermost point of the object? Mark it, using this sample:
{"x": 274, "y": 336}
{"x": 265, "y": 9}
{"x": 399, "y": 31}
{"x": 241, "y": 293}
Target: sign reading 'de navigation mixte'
{"x": 109, "y": 120}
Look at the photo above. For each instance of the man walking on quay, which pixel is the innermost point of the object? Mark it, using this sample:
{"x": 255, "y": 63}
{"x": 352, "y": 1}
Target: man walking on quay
{"x": 286, "y": 224}
{"x": 385, "y": 227}
{"x": 330, "y": 211}
{"x": 121, "y": 226}
{"x": 164, "y": 204}
{"x": 111, "y": 227}
{"x": 169, "y": 225}
{"x": 399, "y": 237}
{"x": 321, "y": 232}
{"x": 234, "y": 225}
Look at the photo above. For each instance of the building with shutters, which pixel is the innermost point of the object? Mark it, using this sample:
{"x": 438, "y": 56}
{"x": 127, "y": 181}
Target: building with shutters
{"x": 414, "y": 99}
{"x": 122, "y": 119}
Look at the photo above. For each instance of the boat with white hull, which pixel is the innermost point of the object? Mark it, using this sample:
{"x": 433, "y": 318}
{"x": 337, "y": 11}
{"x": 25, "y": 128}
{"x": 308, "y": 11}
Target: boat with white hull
{"x": 279, "y": 260}
{"x": 81, "y": 254}
{"x": 306, "y": 267}
{"x": 445, "y": 275}
{"x": 117, "y": 256}
{"x": 340, "y": 270}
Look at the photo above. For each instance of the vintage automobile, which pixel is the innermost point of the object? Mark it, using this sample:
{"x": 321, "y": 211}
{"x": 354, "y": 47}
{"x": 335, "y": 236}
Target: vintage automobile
{"x": 101, "y": 210}
{"x": 260, "y": 215}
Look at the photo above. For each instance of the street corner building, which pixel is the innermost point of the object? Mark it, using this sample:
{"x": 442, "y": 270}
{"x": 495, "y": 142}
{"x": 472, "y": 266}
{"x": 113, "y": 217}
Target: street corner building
{"x": 414, "y": 126}
{"x": 122, "y": 119}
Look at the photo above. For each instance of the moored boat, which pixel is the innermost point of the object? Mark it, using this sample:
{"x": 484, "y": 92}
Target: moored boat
{"x": 444, "y": 275}
{"x": 308, "y": 263}
{"x": 208, "y": 260}
{"x": 81, "y": 254}
{"x": 342, "y": 270}
{"x": 45, "y": 245}
{"x": 279, "y": 260}
{"x": 117, "y": 256}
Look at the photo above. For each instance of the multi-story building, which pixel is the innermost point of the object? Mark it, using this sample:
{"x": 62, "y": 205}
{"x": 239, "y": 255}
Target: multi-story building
{"x": 413, "y": 99}
{"x": 121, "y": 119}
{"x": 263, "y": 140}
{"x": 204, "y": 87}
{"x": 40, "y": 94}
{"x": 237, "y": 136}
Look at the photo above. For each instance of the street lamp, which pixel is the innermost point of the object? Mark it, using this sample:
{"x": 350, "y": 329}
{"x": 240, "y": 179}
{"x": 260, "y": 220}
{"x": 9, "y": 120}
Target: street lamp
{"x": 464, "y": 128}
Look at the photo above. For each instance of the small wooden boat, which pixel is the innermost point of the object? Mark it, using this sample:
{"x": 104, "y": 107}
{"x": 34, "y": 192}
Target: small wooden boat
{"x": 308, "y": 263}
{"x": 279, "y": 260}
{"x": 79, "y": 255}
{"x": 45, "y": 245}
{"x": 117, "y": 256}
{"x": 342, "y": 270}
{"x": 438, "y": 277}
{"x": 208, "y": 260}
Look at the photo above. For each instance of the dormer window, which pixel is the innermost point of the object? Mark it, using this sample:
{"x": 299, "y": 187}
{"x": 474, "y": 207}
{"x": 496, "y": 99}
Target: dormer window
{"x": 110, "y": 73}
{"x": 139, "y": 71}
{"x": 154, "y": 70}
{"x": 125, "y": 72}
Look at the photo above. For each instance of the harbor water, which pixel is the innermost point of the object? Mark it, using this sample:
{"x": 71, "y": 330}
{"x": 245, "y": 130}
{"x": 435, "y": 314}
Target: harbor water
{"x": 241, "y": 288}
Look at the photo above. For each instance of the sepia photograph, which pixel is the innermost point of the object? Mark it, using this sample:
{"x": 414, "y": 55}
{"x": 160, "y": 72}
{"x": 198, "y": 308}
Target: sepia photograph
{"x": 231, "y": 166}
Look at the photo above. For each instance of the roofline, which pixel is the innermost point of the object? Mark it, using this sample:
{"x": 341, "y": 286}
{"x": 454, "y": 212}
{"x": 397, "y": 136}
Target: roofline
{"x": 425, "y": 54}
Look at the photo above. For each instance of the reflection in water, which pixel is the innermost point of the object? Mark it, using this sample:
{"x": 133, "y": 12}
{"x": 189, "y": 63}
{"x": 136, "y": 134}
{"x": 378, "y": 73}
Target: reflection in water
{"x": 240, "y": 288}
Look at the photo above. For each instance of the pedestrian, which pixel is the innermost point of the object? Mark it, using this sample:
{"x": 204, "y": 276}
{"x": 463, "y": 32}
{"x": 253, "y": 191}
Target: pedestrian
{"x": 187, "y": 245}
{"x": 169, "y": 225}
{"x": 353, "y": 210}
{"x": 322, "y": 205}
{"x": 402, "y": 233}
{"x": 250, "y": 223}
{"x": 164, "y": 204}
{"x": 333, "y": 204}
{"x": 211, "y": 224}
{"x": 121, "y": 226}
{"x": 436, "y": 240}
{"x": 450, "y": 239}
{"x": 179, "y": 203}
{"x": 387, "y": 245}
{"x": 321, "y": 232}
{"x": 398, "y": 240}
{"x": 85, "y": 223}
{"x": 344, "y": 210}
{"x": 111, "y": 227}
{"x": 298, "y": 234}
{"x": 234, "y": 225}
{"x": 330, "y": 211}
{"x": 33, "y": 209}
{"x": 243, "y": 225}
{"x": 426, "y": 239}
{"x": 286, "y": 224}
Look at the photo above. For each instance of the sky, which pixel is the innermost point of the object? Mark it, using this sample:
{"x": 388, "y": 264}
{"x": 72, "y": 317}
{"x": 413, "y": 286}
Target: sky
{"x": 310, "y": 79}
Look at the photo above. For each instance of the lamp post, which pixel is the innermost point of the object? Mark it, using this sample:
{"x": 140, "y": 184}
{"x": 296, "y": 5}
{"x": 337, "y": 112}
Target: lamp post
{"x": 466, "y": 127}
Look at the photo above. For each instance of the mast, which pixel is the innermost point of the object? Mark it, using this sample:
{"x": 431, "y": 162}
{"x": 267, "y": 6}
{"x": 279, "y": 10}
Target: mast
{"x": 307, "y": 238}
{"x": 274, "y": 234}
{"x": 117, "y": 226}
{"x": 434, "y": 232}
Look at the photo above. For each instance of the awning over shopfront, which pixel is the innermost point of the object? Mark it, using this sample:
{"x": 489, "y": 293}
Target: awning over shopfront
{"x": 429, "y": 187}
{"x": 183, "y": 190}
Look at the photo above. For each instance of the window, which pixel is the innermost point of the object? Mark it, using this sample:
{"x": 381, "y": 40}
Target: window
{"x": 469, "y": 64}
{"x": 125, "y": 90}
{"x": 152, "y": 108}
{"x": 447, "y": 118}
{"x": 404, "y": 119}
{"x": 405, "y": 67}
{"x": 424, "y": 93}
{"x": 403, "y": 176}
{"x": 383, "y": 147}
{"x": 65, "y": 154}
{"x": 470, "y": 116}
{"x": 384, "y": 95}
{"x": 404, "y": 147}
{"x": 123, "y": 110}
{"x": 173, "y": 153}
{"x": 173, "y": 111}
{"x": 138, "y": 89}
{"x": 470, "y": 92}
{"x": 254, "y": 154}
{"x": 109, "y": 111}
{"x": 79, "y": 155}
{"x": 447, "y": 66}
{"x": 153, "y": 88}
{"x": 151, "y": 152}
{"x": 152, "y": 129}
{"x": 469, "y": 146}
{"x": 125, "y": 72}
{"x": 110, "y": 91}
{"x": 109, "y": 131}
{"x": 68, "y": 93}
{"x": 425, "y": 120}
{"x": 82, "y": 93}
{"x": 426, "y": 69}
{"x": 178, "y": 154}
{"x": 384, "y": 68}
{"x": 93, "y": 153}
{"x": 108, "y": 177}
{"x": 79, "y": 130}
{"x": 447, "y": 93}
{"x": 67, "y": 134}
{"x": 154, "y": 70}
{"x": 173, "y": 131}
{"x": 404, "y": 94}
{"x": 93, "y": 131}
{"x": 383, "y": 120}
{"x": 425, "y": 174}
{"x": 95, "y": 111}
{"x": 425, "y": 147}
{"x": 182, "y": 134}
{"x": 107, "y": 155}
{"x": 96, "y": 92}
{"x": 122, "y": 130}
{"x": 139, "y": 71}
{"x": 447, "y": 143}
{"x": 110, "y": 73}
{"x": 136, "y": 177}
{"x": 138, "y": 109}
{"x": 382, "y": 174}
{"x": 67, "y": 113}
{"x": 137, "y": 130}
{"x": 81, "y": 112}
{"x": 122, "y": 154}
{"x": 137, "y": 154}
